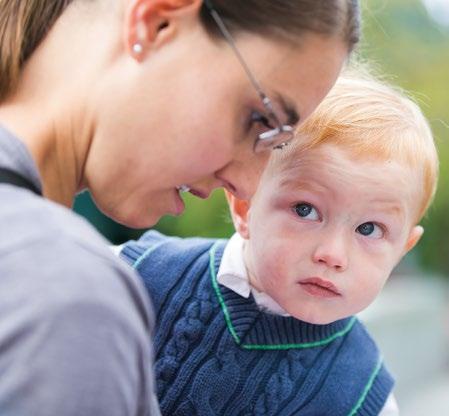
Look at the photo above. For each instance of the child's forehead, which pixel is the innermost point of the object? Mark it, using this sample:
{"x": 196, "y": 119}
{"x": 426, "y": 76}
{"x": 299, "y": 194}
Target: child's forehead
{"x": 328, "y": 158}
{"x": 334, "y": 173}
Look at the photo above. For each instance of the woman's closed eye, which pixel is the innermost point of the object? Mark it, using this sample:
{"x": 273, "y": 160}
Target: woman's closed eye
{"x": 261, "y": 119}
{"x": 306, "y": 211}
{"x": 370, "y": 230}
{"x": 258, "y": 124}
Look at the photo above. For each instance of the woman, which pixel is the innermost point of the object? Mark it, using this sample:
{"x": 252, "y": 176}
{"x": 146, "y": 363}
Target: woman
{"x": 135, "y": 100}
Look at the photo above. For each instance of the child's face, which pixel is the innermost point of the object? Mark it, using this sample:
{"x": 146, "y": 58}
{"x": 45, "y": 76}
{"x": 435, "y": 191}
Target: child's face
{"x": 324, "y": 236}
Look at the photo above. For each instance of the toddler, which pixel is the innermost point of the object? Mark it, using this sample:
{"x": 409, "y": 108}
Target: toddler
{"x": 264, "y": 324}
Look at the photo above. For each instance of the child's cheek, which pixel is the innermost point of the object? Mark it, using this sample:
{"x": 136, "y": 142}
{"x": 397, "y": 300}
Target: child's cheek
{"x": 274, "y": 276}
{"x": 367, "y": 293}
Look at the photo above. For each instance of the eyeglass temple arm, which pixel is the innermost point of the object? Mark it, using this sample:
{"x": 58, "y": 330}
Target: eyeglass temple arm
{"x": 230, "y": 39}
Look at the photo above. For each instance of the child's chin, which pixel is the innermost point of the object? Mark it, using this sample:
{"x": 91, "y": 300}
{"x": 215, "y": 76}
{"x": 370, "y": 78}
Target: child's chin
{"x": 317, "y": 318}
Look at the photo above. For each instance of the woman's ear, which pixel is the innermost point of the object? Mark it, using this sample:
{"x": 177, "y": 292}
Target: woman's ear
{"x": 240, "y": 214}
{"x": 152, "y": 23}
{"x": 413, "y": 238}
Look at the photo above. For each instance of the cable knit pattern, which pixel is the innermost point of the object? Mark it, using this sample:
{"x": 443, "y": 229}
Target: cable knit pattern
{"x": 218, "y": 354}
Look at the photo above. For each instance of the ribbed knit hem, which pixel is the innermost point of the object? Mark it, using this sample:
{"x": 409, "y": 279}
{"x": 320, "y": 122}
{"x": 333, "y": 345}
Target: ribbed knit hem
{"x": 254, "y": 329}
{"x": 375, "y": 395}
{"x": 131, "y": 252}
{"x": 135, "y": 252}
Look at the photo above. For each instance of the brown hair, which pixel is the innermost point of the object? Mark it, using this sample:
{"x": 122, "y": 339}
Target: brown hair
{"x": 288, "y": 19}
{"x": 24, "y": 23}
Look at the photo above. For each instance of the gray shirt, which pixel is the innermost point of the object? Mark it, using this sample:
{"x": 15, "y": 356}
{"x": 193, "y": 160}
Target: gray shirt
{"x": 75, "y": 322}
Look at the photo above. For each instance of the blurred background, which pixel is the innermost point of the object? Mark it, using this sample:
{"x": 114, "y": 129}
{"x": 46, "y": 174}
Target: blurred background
{"x": 408, "y": 41}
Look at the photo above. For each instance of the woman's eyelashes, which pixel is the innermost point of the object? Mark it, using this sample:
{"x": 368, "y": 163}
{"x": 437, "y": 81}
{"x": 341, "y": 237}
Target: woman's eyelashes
{"x": 260, "y": 118}
{"x": 259, "y": 123}
{"x": 306, "y": 211}
{"x": 371, "y": 230}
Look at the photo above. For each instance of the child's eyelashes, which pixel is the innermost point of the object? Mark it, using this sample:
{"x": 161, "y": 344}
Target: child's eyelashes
{"x": 370, "y": 230}
{"x": 306, "y": 211}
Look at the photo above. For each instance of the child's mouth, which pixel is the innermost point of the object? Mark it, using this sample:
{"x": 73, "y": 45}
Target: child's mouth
{"x": 316, "y": 286}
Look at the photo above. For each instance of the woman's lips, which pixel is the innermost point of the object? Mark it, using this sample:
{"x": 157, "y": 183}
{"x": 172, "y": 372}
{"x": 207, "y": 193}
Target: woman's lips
{"x": 179, "y": 205}
{"x": 203, "y": 194}
{"x": 316, "y": 286}
{"x": 183, "y": 188}
{"x": 198, "y": 193}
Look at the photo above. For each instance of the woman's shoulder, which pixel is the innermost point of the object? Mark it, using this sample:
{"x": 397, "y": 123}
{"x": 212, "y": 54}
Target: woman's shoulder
{"x": 58, "y": 256}
{"x": 27, "y": 219}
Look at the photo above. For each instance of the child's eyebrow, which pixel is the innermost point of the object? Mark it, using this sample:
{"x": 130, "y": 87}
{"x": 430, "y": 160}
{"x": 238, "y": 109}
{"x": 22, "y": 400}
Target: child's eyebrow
{"x": 299, "y": 184}
{"x": 389, "y": 206}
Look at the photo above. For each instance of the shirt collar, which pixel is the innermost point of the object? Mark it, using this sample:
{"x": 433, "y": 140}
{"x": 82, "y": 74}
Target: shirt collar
{"x": 232, "y": 274}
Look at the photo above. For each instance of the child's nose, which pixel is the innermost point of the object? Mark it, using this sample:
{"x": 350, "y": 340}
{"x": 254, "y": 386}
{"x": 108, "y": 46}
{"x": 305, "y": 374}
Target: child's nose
{"x": 331, "y": 254}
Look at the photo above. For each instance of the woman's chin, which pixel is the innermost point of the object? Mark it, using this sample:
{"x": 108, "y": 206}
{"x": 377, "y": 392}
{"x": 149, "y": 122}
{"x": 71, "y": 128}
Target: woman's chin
{"x": 137, "y": 218}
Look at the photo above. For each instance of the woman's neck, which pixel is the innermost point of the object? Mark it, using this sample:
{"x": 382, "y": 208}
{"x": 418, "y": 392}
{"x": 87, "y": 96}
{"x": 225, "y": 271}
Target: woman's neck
{"x": 57, "y": 143}
{"x": 52, "y": 109}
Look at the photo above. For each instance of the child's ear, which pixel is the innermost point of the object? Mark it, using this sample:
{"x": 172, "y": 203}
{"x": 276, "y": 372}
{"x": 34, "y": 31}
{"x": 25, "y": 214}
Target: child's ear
{"x": 240, "y": 213}
{"x": 413, "y": 238}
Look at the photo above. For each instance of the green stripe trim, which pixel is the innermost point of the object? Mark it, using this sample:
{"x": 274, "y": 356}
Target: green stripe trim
{"x": 367, "y": 388}
{"x": 263, "y": 346}
{"x": 145, "y": 254}
{"x": 219, "y": 295}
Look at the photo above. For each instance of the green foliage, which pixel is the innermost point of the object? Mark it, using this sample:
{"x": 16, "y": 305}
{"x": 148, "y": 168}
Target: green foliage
{"x": 201, "y": 218}
{"x": 405, "y": 44}
{"x": 408, "y": 46}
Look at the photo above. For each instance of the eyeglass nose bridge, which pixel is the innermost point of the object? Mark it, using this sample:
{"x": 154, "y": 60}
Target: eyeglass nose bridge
{"x": 276, "y": 138}
{"x": 283, "y": 129}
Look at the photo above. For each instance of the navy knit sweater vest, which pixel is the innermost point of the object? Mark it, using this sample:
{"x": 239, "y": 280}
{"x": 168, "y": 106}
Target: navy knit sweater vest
{"x": 217, "y": 353}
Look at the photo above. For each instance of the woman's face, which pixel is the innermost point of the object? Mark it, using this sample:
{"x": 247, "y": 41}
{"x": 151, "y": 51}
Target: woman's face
{"x": 181, "y": 114}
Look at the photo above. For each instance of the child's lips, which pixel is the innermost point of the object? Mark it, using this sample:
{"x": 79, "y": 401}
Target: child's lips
{"x": 319, "y": 287}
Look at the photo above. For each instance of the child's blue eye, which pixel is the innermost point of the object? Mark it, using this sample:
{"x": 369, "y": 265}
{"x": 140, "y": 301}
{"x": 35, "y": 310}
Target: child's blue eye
{"x": 305, "y": 210}
{"x": 370, "y": 229}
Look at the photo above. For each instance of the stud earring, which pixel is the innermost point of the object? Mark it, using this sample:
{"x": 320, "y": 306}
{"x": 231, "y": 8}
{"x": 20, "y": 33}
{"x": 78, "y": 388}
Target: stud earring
{"x": 137, "y": 48}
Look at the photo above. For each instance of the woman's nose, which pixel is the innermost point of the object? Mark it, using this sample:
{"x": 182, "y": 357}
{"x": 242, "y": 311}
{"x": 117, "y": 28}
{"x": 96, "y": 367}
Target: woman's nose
{"x": 241, "y": 176}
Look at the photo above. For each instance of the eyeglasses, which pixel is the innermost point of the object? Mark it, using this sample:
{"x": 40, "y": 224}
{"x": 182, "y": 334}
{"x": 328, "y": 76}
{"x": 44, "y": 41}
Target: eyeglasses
{"x": 279, "y": 134}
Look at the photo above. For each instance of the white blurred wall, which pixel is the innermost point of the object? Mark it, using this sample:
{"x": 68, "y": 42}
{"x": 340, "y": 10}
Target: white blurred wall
{"x": 410, "y": 322}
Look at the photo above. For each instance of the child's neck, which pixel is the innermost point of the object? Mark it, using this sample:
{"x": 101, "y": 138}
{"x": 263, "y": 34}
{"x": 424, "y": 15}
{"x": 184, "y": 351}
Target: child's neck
{"x": 251, "y": 278}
